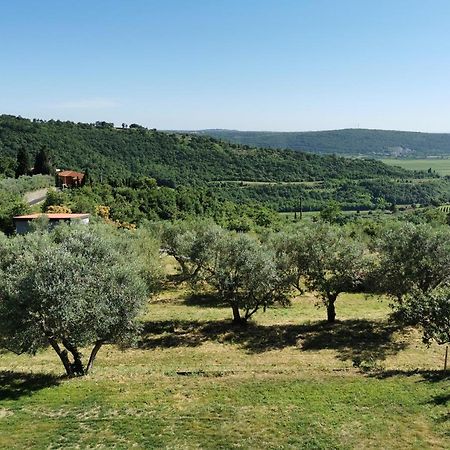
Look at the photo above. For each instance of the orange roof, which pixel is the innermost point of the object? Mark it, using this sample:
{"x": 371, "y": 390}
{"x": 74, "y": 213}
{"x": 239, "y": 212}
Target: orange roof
{"x": 70, "y": 173}
{"x": 52, "y": 216}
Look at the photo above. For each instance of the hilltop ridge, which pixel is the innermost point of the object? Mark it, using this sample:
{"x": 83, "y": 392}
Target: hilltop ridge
{"x": 178, "y": 157}
{"x": 348, "y": 142}
{"x": 238, "y": 172}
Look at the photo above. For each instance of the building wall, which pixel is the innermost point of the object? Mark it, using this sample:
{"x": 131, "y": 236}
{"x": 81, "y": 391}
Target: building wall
{"x": 23, "y": 226}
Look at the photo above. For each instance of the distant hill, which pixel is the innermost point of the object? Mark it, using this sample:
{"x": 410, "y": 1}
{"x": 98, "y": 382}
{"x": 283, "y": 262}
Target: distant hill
{"x": 348, "y": 142}
{"x": 180, "y": 158}
{"x": 277, "y": 178}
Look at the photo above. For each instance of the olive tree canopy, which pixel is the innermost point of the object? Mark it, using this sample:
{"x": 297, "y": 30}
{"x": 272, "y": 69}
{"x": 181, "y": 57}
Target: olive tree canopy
{"x": 324, "y": 258}
{"x": 431, "y": 311}
{"x": 68, "y": 289}
{"x": 192, "y": 244}
{"x": 413, "y": 258}
{"x": 245, "y": 274}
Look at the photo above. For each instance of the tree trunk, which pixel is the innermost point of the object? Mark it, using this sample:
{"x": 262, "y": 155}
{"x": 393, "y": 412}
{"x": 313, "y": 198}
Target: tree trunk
{"x": 94, "y": 352}
{"x": 237, "y": 319}
{"x": 331, "y": 309}
{"x": 63, "y": 356}
{"x": 77, "y": 366}
{"x": 185, "y": 274}
{"x": 249, "y": 312}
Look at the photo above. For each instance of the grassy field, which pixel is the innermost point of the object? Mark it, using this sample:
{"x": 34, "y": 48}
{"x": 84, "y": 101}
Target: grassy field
{"x": 288, "y": 381}
{"x": 441, "y": 166}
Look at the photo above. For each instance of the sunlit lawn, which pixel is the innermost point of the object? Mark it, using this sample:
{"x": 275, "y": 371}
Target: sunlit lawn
{"x": 287, "y": 381}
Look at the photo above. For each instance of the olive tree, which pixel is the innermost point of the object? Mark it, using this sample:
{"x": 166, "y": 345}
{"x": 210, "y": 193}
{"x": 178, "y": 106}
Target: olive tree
{"x": 69, "y": 289}
{"x": 290, "y": 247}
{"x": 413, "y": 258}
{"x": 192, "y": 244}
{"x": 329, "y": 261}
{"x": 245, "y": 275}
{"x": 431, "y": 311}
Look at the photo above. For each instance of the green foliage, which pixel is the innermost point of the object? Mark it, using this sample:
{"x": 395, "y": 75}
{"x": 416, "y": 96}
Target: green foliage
{"x": 243, "y": 271}
{"x": 357, "y": 142}
{"x": 42, "y": 163}
{"x": 7, "y": 166}
{"x": 192, "y": 384}
{"x": 87, "y": 179}
{"x": 290, "y": 255}
{"x": 430, "y": 310}
{"x": 23, "y": 166}
{"x": 174, "y": 160}
{"x": 245, "y": 275}
{"x": 412, "y": 258}
{"x": 349, "y": 194}
{"x": 173, "y": 157}
{"x": 11, "y": 201}
{"x": 25, "y": 183}
{"x": 326, "y": 258}
{"x": 192, "y": 244}
{"x": 10, "y": 205}
{"x": 73, "y": 287}
{"x": 143, "y": 200}
{"x": 332, "y": 213}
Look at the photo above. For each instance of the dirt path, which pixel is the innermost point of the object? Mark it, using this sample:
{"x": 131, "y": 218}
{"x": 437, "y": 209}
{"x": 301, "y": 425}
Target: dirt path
{"x": 36, "y": 196}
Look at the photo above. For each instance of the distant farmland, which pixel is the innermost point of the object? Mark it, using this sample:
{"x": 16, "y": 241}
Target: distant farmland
{"x": 441, "y": 166}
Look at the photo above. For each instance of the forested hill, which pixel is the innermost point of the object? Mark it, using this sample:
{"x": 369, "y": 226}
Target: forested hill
{"x": 349, "y": 142}
{"x": 240, "y": 173}
{"x": 180, "y": 158}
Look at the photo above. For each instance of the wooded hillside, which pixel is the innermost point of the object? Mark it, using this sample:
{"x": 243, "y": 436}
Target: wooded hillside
{"x": 354, "y": 142}
{"x": 277, "y": 178}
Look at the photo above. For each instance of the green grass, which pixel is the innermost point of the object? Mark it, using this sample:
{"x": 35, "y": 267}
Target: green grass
{"x": 288, "y": 381}
{"x": 441, "y": 166}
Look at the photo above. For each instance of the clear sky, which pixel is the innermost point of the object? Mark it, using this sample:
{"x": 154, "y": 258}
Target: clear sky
{"x": 242, "y": 64}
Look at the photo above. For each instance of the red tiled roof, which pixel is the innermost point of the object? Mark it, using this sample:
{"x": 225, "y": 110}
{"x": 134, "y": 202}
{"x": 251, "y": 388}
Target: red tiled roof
{"x": 52, "y": 216}
{"x": 70, "y": 173}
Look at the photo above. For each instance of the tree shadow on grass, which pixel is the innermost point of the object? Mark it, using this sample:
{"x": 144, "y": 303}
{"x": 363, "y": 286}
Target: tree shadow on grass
{"x": 14, "y": 385}
{"x": 442, "y": 400}
{"x": 205, "y": 300}
{"x": 355, "y": 340}
{"x": 431, "y": 376}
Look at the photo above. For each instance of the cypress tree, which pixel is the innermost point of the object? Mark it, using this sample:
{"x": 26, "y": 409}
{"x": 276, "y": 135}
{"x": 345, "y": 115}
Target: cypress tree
{"x": 42, "y": 163}
{"x": 23, "y": 162}
{"x": 87, "y": 177}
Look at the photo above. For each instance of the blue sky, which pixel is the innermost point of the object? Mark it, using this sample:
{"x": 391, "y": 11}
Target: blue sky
{"x": 248, "y": 64}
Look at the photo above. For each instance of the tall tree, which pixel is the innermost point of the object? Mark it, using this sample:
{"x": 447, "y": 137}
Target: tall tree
{"x": 23, "y": 162}
{"x": 87, "y": 179}
{"x": 42, "y": 162}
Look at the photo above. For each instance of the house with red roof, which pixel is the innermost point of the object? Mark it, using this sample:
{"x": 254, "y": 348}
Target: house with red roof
{"x": 69, "y": 178}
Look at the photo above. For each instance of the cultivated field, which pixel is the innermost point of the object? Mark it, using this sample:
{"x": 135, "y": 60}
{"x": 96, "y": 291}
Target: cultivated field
{"x": 288, "y": 381}
{"x": 441, "y": 166}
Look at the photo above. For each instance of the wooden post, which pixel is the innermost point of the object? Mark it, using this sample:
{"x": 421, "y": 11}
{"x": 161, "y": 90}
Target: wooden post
{"x": 446, "y": 358}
